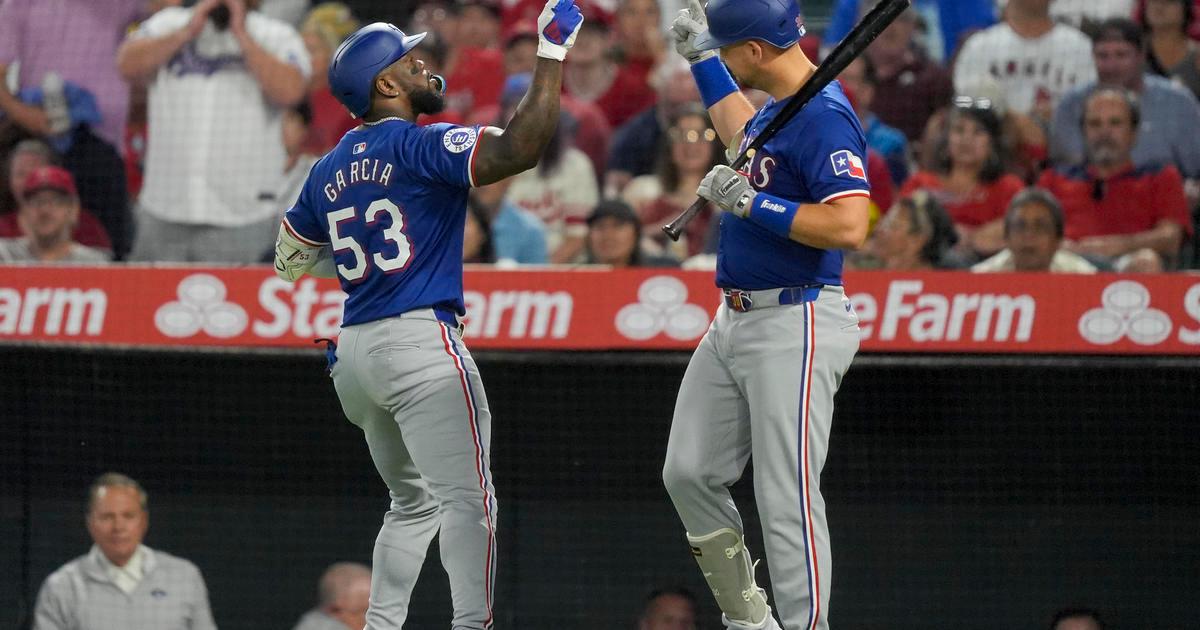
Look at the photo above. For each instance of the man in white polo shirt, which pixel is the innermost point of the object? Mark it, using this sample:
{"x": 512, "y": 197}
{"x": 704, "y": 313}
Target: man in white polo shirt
{"x": 122, "y": 583}
{"x": 220, "y": 76}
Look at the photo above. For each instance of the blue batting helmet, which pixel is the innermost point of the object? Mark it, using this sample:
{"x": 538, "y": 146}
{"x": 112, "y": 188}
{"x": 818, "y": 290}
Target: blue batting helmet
{"x": 776, "y": 22}
{"x": 360, "y": 59}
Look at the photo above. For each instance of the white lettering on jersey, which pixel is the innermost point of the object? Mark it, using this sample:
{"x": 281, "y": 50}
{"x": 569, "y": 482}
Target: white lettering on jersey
{"x": 363, "y": 171}
{"x": 460, "y": 139}
{"x": 762, "y": 174}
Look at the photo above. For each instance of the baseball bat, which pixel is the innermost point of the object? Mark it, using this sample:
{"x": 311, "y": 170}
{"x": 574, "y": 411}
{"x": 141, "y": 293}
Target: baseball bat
{"x": 852, "y": 46}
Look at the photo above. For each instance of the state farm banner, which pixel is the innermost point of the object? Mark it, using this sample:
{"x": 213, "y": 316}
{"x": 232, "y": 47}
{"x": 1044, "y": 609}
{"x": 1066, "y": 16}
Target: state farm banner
{"x": 643, "y": 309}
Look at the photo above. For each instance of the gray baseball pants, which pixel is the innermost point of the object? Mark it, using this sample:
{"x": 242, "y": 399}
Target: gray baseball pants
{"x": 761, "y": 383}
{"x": 412, "y": 387}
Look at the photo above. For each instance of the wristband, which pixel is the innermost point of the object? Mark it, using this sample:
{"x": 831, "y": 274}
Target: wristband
{"x": 773, "y": 213}
{"x": 713, "y": 80}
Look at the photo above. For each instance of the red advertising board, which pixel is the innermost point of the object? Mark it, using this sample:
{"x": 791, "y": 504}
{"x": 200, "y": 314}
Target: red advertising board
{"x": 646, "y": 309}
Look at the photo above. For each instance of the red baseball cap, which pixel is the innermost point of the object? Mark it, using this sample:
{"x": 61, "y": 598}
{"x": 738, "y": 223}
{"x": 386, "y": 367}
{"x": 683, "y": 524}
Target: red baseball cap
{"x": 49, "y": 178}
{"x": 518, "y": 30}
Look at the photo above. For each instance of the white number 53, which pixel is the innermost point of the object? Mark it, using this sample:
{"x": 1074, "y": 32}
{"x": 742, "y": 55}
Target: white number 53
{"x": 393, "y": 234}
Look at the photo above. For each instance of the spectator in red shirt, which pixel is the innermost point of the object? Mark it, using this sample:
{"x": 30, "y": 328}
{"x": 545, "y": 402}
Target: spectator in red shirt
{"x": 325, "y": 28}
{"x": 916, "y": 234}
{"x": 592, "y": 131}
{"x": 690, "y": 151}
{"x": 968, "y": 179}
{"x": 593, "y": 75}
{"x": 883, "y": 189}
{"x": 635, "y": 143}
{"x": 911, "y": 87}
{"x": 516, "y": 11}
{"x": 478, "y": 24}
{"x": 1114, "y": 212}
{"x": 438, "y": 18}
{"x": 638, "y": 34}
{"x": 474, "y": 64}
{"x": 25, "y": 158}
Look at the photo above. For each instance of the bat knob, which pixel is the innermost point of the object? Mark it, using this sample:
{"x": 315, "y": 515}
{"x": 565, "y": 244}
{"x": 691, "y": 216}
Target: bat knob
{"x": 672, "y": 231}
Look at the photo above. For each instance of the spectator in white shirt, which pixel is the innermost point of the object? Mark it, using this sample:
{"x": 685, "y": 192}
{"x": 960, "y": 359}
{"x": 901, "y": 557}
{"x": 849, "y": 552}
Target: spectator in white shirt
{"x": 1034, "y": 60}
{"x": 220, "y": 77}
{"x": 1033, "y": 237}
{"x": 122, "y": 583}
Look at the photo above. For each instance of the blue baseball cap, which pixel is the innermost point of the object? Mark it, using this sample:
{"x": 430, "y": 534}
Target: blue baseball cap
{"x": 776, "y": 22}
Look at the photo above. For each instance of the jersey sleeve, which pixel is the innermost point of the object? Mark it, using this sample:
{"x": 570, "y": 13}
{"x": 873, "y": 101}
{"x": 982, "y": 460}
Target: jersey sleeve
{"x": 445, "y": 154}
{"x": 832, "y": 157}
{"x": 284, "y": 43}
{"x": 302, "y": 222}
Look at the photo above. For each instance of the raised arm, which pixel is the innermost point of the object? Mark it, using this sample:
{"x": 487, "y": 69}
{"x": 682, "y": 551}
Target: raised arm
{"x": 139, "y": 58}
{"x": 728, "y": 108}
{"x": 29, "y": 117}
{"x": 518, "y": 147}
{"x": 282, "y": 83}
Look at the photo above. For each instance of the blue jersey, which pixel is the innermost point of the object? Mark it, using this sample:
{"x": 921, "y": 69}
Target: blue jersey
{"x": 817, "y": 157}
{"x": 391, "y": 199}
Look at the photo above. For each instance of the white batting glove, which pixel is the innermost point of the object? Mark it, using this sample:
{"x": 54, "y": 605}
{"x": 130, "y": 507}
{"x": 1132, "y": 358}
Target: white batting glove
{"x": 557, "y": 27}
{"x": 685, "y": 28}
{"x": 729, "y": 189}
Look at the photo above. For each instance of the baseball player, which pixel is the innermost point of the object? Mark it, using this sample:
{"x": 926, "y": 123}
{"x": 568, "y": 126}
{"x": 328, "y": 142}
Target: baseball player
{"x": 384, "y": 212}
{"x": 762, "y": 381}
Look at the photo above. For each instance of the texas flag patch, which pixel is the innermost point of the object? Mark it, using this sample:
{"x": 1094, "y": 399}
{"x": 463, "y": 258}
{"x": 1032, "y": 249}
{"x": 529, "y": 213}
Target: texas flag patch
{"x": 846, "y": 163}
{"x": 359, "y": 148}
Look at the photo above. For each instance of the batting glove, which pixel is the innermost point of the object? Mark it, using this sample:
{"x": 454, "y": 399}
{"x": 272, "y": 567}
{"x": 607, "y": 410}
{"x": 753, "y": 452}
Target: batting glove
{"x": 557, "y": 27}
{"x": 687, "y": 26}
{"x": 728, "y": 189}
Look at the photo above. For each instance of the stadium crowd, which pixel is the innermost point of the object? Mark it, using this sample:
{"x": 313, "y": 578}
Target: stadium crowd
{"x": 1022, "y": 135}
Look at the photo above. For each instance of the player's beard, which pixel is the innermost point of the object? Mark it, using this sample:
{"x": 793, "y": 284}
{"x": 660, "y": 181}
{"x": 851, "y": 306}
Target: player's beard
{"x": 425, "y": 100}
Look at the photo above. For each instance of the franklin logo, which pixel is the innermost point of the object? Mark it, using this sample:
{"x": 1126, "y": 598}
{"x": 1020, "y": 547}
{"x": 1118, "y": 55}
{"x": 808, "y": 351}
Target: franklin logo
{"x": 460, "y": 139}
{"x": 158, "y": 593}
{"x": 772, "y": 206}
{"x": 360, "y": 147}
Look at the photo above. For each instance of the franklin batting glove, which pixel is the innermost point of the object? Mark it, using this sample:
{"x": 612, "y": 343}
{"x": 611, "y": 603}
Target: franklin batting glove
{"x": 557, "y": 27}
{"x": 687, "y": 25}
{"x": 728, "y": 189}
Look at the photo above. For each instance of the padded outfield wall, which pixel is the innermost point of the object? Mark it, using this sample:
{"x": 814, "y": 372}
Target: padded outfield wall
{"x": 963, "y": 491}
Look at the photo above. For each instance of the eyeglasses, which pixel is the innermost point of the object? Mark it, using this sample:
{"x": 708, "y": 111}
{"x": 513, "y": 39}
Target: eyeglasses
{"x": 970, "y": 102}
{"x": 691, "y": 136}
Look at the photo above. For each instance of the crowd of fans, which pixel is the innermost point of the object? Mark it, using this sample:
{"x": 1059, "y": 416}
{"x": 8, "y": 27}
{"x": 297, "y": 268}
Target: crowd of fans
{"x": 1004, "y": 135}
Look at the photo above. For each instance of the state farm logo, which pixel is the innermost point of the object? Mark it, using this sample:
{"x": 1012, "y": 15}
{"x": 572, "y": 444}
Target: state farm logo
{"x": 201, "y": 306}
{"x": 662, "y": 308}
{"x": 1125, "y": 312}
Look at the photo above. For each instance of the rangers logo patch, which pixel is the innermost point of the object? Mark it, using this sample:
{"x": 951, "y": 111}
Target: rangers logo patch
{"x": 359, "y": 148}
{"x": 460, "y": 139}
{"x": 846, "y": 163}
